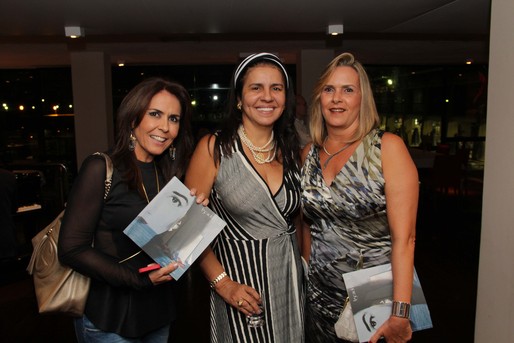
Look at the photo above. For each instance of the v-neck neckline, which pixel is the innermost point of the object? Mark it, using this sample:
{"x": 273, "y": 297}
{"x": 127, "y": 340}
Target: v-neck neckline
{"x": 240, "y": 149}
{"x": 343, "y": 167}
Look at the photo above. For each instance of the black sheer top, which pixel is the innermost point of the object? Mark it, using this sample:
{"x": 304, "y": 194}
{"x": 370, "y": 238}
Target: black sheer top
{"x": 120, "y": 299}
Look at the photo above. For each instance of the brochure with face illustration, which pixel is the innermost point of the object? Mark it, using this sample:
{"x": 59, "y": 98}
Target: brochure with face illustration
{"x": 174, "y": 228}
{"x": 370, "y": 292}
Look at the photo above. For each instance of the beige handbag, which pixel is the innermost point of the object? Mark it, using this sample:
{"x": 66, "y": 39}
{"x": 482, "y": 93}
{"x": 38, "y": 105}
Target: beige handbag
{"x": 59, "y": 288}
{"x": 345, "y": 325}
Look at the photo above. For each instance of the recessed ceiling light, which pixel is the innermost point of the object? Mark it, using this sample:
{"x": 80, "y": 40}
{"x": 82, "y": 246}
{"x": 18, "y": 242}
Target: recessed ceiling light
{"x": 73, "y": 31}
{"x": 335, "y": 30}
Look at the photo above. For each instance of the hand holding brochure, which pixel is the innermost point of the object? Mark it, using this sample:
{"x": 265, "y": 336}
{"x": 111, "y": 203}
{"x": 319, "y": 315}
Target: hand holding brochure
{"x": 370, "y": 292}
{"x": 174, "y": 228}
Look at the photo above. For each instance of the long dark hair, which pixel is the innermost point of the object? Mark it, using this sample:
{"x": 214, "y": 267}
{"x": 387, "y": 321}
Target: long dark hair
{"x": 130, "y": 113}
{"x": 284, "y": 130}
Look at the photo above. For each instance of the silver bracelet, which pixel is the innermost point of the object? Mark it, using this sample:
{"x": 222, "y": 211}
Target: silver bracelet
{"x": 217, "y": 279}
{"x": 401, "y": 309}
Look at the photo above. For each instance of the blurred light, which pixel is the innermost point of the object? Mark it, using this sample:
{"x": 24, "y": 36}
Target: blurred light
{"x": 469, "y": 60}
{"x": 389, "y": 82}
{"x": 21, "y": 107}
{"x": 447, "y": 100}
{"x": 193, "y": 102}
{"x": 215, "y": 97}
{"x": 121, "y": 63}
{"x": 335, "y": 30}
{"x": 215, "y": 86}
{"x": 73, "y": 31}
{"x": 60, "y": 115}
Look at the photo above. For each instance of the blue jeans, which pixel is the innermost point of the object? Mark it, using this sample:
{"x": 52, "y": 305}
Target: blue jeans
{"x": 87, "y": 333}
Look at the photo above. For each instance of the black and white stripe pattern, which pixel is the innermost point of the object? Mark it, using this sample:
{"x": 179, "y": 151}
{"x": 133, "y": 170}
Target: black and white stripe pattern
{"x": 258, "y": 248}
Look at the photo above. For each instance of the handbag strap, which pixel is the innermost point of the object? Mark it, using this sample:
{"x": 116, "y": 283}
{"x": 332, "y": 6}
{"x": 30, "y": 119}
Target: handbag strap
{"x": 57, "y": 221}
{"x": 108, "y": 172}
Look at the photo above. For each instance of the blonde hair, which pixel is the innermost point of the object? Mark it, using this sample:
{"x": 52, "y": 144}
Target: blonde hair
{"x": 368, "y": 115}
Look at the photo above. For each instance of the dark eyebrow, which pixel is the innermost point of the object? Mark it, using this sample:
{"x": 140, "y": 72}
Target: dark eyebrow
{"x": 182, "y": 196}
{"x": 365, "y": 323}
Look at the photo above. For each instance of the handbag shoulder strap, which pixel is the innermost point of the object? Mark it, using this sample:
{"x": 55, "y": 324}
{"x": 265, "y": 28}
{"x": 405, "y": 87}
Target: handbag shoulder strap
{"x": 108, "y": 172}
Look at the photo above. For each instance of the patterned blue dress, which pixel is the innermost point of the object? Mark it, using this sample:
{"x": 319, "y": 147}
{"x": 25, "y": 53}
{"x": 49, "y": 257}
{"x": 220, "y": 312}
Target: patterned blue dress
{"x": 348, "y": 221}
{"x": 258, "y": 248}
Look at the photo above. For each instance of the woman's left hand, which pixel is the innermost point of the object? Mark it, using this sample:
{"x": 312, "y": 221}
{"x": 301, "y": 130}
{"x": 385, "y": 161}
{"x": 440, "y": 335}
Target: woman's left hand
{"x": 200, "y": 198}
{"x": 394, "y": 330}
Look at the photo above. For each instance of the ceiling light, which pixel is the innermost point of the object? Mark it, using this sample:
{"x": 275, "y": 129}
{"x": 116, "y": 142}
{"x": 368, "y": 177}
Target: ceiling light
{"x": 73, "y": 31}
{"x": 335, "y": 30}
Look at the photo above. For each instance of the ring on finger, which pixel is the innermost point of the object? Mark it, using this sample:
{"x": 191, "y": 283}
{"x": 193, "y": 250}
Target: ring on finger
{"x": 240, "y": 302}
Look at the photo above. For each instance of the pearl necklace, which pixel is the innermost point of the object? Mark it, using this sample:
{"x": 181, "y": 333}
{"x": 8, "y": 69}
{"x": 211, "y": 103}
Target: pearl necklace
{"x": 330, "y": 156}
{"x": 259, "y": 151}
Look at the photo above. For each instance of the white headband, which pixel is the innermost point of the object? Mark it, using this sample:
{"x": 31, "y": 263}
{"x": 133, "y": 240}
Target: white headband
{"x": 264, "y": 56}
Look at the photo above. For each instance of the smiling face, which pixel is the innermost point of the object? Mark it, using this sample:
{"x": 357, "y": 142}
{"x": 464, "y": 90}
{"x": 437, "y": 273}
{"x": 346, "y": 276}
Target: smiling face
{"x": 341, "y": 99}
{"x": 159, "y": 126}
{"x": 263, "y": 95}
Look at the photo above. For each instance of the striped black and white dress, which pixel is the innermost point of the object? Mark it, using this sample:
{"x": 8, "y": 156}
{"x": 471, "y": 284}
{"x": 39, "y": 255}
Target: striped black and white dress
{"x": 348, "y": 221}
{"x": 257, "y": 248}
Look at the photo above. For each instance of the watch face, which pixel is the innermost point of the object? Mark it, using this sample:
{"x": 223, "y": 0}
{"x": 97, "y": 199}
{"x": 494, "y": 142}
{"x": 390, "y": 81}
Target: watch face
{"x": 400, "y": 309}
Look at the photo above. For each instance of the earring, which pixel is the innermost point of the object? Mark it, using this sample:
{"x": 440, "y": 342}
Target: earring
{"x": 173, "y": 152}
{"x": 132, "y": 142}
{"x": 239, "y": 106}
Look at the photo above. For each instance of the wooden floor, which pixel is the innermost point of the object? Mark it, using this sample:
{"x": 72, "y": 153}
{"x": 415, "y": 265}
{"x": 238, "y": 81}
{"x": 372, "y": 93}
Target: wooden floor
{"x": 448, "y": 237}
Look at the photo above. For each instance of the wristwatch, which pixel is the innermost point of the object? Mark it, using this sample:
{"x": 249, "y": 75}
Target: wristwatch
{"x": 401, "y": 309}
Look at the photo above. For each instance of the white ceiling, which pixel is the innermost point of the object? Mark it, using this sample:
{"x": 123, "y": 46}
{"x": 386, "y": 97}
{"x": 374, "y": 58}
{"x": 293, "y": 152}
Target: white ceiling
{"x": 204, "y": 31}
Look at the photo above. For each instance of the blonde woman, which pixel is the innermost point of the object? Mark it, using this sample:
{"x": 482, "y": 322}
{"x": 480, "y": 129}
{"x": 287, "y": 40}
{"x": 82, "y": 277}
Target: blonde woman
{"x": 360, "y": 196}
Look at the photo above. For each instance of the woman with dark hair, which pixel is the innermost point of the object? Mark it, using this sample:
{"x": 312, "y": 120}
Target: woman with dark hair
{"x": 360, "y": 196}
{"x": 251, "y": 170}
{"x": 153, "y": 144}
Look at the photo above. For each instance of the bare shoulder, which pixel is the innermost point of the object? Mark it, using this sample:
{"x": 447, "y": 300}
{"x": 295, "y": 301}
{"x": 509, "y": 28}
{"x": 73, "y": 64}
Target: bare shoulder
{"x": 206, "y": 145}
{"x": 392, "y": 141}
{"x": 395, "y": 155}
{"x": 393, "y": 147}
{"x": 202, "y": 170}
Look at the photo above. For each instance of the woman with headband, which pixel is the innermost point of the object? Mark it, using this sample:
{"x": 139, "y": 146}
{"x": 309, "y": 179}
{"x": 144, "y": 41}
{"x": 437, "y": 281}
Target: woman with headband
{"x": 251, "y": 170}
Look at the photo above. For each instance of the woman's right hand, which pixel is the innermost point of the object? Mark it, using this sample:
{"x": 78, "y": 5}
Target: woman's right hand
{"x": 162, "y": 274}
{"x": 243, "y": 297}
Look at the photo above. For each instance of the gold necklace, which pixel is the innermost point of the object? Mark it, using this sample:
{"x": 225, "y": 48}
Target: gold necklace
{"x": 156, "y": 180}
{"x": 258, "y": 151}
{"x": 330, "y": 156}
